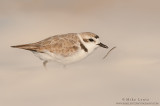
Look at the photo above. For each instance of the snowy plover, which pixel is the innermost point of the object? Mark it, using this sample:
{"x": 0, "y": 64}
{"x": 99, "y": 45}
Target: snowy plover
{"x": 65, "y": 48}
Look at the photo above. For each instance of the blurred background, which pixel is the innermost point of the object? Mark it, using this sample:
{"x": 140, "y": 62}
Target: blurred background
{"x": 130, "y": 71}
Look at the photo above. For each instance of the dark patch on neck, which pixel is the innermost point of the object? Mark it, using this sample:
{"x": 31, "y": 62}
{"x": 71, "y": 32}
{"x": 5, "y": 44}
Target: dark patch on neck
{"x": 83, "y": 47}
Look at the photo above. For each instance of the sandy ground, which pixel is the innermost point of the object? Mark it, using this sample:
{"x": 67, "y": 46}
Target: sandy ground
{"x": 130, "y": 71}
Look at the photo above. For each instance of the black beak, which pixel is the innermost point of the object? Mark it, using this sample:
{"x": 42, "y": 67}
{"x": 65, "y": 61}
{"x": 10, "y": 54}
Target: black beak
{"x": 102, "y": 45}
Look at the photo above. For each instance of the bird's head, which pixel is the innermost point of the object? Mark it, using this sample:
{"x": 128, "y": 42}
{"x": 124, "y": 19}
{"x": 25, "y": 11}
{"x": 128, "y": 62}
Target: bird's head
{"x": 91, "y": 40}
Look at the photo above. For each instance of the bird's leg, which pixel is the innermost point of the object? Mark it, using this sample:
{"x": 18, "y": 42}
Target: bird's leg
{"x": 44, "y": 64}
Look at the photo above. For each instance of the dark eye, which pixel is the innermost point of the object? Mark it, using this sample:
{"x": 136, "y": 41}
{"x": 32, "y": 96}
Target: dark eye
{"x": 91, "y": 40}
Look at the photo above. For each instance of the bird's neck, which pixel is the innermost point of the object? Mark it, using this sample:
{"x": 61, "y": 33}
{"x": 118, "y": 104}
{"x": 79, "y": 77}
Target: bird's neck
{"x": 90, "y": 47}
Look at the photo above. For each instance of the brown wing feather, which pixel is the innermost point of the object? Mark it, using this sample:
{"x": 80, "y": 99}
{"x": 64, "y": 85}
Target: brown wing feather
{"x": 65, "y": 45}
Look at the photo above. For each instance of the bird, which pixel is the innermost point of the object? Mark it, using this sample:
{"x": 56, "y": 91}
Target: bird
{"x": 64, "y": 48}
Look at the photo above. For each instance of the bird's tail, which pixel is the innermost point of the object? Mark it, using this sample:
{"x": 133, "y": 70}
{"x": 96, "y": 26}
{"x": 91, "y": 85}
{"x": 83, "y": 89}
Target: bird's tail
{"x": 30, "y": 47}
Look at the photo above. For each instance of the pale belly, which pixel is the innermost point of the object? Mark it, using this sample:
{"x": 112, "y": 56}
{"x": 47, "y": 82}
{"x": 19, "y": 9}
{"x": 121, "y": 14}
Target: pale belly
{"x": 48, "y": 56}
